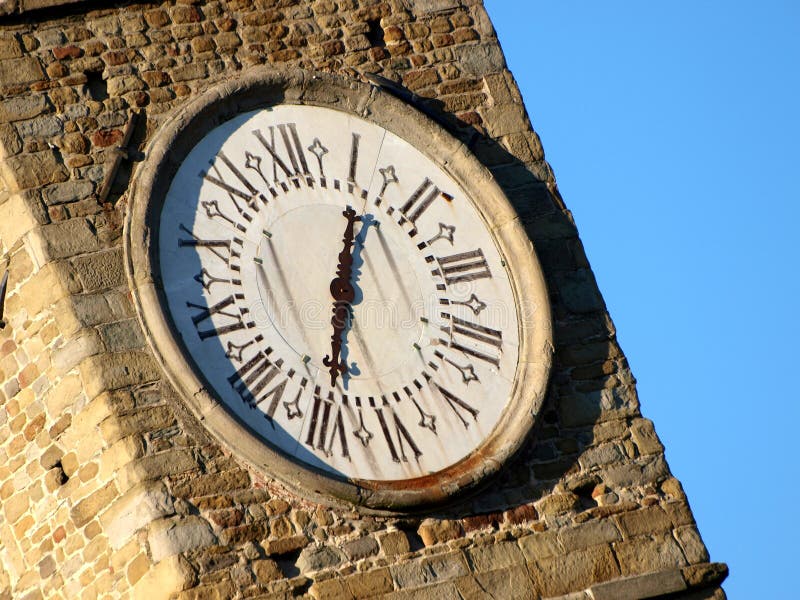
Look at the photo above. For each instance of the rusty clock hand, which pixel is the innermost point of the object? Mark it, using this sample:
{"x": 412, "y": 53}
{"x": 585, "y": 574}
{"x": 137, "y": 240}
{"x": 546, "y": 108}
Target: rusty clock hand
{"x": 343, "y": 295}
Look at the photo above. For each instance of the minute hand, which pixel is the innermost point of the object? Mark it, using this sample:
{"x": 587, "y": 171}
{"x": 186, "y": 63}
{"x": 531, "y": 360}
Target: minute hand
{"x": 343, "y": 295}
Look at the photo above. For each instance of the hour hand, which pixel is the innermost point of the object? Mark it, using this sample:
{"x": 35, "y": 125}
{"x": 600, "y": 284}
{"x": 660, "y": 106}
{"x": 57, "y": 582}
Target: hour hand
{"x": 343, "y": 295}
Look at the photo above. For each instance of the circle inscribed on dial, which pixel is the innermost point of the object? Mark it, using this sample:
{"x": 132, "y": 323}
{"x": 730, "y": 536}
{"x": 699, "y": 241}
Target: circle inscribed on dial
{"x": 342, "y": 298}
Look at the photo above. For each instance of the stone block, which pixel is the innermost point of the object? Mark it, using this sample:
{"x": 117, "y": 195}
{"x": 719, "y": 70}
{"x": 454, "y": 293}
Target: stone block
{"x": 509, "y": 584}
{"x": 10, "y": 143}
{"x": 101, "y": 270}
{"x": 442, "y": 591}
{"x": 589, "y": 534}
{"x": 148, "y": 419}
{"x": 643, "y": 586}
{"x": 45, "y": 126}
{"x": 19, "y": 71}
{"x": 68, "y": 356}
{"x": 9, "y": 44}
{"x": 113, "y": 371}
{"x": 499, "y": 555}
{"x": 393, "y": 542}
{"x": 189, "y": 71}
{"x": 285, "y": 545}
{"x": 122, "y": 335}
{"x": 435, "y": 531}
{"x": 540, "y": 545}
{"x": 213, "y": 483}
{"x": 645, "y": 554}
{"x": 648, "y": 520}
{"x": 91, "y": 506}
{"x": 692, "y": 545}
{"x": 16, "y": 219}
{"x": 645, "y": 438}
{"x": 555, "y": 504}
{"x": 705, "y": 574}
{"x": 360, "y": 548}
{"x": 67, "y": 238}
{"x": 603, "y": 454}
{"x": 266, "y": 570}
{"x": 318, "y": 557}
{"x": 16, "y": 506}
{"x": 68, "y": 191}
{"x": 573, "y": 571}
{"x": 164, "y": 579}
{"x": 429, "y": 570}
{"x": 156, "y": 466}
{"x": 33, "y": 170}
{"x": 579, "y": 410}
{"x": 20, "y": 108}
{"x": 370, "y": 583}
{"x": 168, "y": 537}
{"x": 480, "y": 59}
{"x": 330, "y": 588}
{"x": 134, "y": 510}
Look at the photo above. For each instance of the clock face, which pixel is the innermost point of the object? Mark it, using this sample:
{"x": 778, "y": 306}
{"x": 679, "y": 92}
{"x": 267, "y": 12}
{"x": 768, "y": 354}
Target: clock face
{"x": 340, "y": 293}
{"x": 338, "y": 290}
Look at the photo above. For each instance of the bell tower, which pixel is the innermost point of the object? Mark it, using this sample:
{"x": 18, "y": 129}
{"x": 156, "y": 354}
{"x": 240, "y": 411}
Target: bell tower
{"x": 117, "y": 480}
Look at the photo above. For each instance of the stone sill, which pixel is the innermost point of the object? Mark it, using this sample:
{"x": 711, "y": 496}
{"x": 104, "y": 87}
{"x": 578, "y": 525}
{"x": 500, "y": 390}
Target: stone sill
{"x": 651, "y": 585}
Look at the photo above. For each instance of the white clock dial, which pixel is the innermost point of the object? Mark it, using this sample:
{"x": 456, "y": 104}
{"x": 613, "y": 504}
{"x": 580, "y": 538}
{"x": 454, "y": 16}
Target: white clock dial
{"x": 400, "y": 374}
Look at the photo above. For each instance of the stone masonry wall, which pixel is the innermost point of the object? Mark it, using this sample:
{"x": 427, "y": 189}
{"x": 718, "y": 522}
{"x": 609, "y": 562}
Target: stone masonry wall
{"x": 109, "y": 488}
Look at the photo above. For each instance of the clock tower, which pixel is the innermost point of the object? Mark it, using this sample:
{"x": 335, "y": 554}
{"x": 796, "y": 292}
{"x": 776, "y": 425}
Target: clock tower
{"x": 294, "y": 308}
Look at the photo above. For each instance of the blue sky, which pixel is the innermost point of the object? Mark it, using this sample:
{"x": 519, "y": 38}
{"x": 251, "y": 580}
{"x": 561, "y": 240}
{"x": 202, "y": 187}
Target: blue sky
{"x": 672, "y": 129}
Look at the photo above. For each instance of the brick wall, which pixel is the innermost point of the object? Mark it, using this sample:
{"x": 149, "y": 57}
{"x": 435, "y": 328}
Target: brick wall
{"x": 110, "y": 488}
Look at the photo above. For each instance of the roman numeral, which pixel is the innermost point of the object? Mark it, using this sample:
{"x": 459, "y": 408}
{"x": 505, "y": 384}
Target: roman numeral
{"x": 457, "y": 405}
{"x": 351, "y": 177}
{"x": 400, "y": 431}
{"x": 253, "y": 377}
{"x": 326, "y": 413}
{"x": 217, "y": 309}
{"x": 465, "y": 266}
{"x": 294, "y": 152}
{"x": 420, "y": 200}
{"x": 248, "y": 194}
{"x": 221, "y": 248}
{"x": 476, "y": 340}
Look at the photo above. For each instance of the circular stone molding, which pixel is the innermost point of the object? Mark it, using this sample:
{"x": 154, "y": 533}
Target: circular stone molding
{"x": 515, "y": 266}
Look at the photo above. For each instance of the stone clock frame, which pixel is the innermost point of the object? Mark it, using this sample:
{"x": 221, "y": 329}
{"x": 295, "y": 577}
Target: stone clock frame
{"x": 261, "y": 88}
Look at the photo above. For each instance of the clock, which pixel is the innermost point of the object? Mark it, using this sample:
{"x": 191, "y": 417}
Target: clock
{"x": 338, "y": 289}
